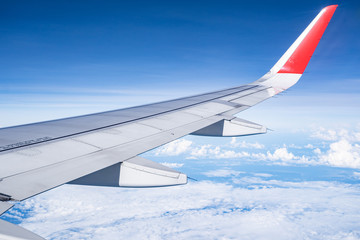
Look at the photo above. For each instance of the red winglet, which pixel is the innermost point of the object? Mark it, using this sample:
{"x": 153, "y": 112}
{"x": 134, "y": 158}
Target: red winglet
{"x": 302, "y": 54}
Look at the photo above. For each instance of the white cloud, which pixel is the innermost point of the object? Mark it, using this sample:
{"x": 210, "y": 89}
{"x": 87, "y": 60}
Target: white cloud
{"x": 342, "y": 151}
{"x": 266, "y": 175}
{"x": 342, "y": 154}
{"x": 317, "y": 151}
{"x": 309, "y": 146}
{"x": 183, "y": 146}
{"x": 174, "y": 148}
{"x": 325, "y": 134}
{"x": 244, "y": 144}
{"x": 172, "y": 165}
{"x": 209, "y": 151}
{"x": 356, "y": 175}
{"x": 336, "y": 134}
{"x": 222, "y": 173}
{"x": 201, "y": 151}
{"x": 292, "y": 145}
{"x": 202, "y": 210}
{"x": 281, "y": 154}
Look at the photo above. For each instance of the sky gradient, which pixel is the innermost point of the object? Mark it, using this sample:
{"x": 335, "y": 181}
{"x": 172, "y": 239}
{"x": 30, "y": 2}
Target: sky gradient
{"x": 65, "y": 58}
{"x": 76, "y": 57}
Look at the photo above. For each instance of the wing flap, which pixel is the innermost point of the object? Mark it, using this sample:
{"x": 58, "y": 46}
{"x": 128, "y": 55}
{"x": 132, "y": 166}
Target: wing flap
{"x": 140, "y": 172}
{"x": 231, "y": 128}
{"x": 135, "y": 172}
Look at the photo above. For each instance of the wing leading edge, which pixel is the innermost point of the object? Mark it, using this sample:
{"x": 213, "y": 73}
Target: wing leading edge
{"x": 102, "y": 149}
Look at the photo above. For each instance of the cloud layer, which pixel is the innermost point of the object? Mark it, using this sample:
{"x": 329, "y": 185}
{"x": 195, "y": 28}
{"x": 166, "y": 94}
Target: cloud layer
{"x": 261, "y": 209}
{"x": 330, "y": 147}
{"x": 237, "y": 205}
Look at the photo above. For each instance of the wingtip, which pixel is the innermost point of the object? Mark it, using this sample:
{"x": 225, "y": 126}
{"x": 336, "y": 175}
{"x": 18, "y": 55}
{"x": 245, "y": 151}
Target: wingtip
{"x": 333, "y": 7}
{"x": 304, "y": 47}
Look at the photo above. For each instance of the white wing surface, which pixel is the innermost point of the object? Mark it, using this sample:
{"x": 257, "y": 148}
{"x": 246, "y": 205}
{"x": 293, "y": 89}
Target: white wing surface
{"x": 102, "y": 149}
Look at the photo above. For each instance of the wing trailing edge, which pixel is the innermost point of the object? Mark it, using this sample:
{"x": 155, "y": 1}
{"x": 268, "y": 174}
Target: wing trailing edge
{"x": 234, "y": 127}
{"x": 135, "y": 172}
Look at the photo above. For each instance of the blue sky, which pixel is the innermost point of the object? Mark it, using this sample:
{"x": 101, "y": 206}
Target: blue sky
{"x": 63, "y": 59}
{"x": 70, "y": 59}
{"x": 118, "y": 44}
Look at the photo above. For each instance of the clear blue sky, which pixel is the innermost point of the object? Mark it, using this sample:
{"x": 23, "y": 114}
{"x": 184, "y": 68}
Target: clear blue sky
{"x": 206, "y": 44}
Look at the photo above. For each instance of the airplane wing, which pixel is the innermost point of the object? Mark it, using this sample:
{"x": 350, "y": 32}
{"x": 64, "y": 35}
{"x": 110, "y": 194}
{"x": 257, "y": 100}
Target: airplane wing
{"x": 102, "y": 149}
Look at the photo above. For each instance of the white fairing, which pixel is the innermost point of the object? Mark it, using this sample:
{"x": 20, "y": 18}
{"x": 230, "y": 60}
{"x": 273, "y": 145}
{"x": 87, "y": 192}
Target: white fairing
{"x": 280, "y": 81}
{"x": 140, "y": 172}
{"x": 135, "y": 172}
{"x": 241, "y": 127}
{"x": 232, "y": 128}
